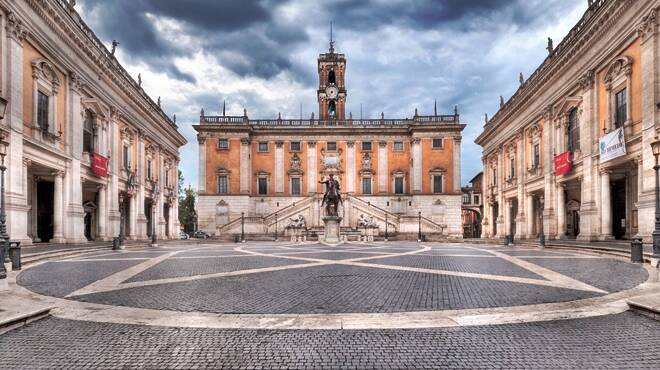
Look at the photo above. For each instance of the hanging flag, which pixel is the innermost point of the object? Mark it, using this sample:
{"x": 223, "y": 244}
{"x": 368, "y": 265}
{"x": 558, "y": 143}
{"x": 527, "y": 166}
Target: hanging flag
{"x": 99, "y": 165}
{"x": 563, "y": 163}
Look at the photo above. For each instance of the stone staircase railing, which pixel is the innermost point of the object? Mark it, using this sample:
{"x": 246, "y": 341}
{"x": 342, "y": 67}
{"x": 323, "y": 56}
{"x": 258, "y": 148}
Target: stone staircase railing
{"x": 378, "y": 213}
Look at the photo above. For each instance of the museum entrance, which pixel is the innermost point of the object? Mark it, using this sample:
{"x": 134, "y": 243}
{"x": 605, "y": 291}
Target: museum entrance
{"x": 44, "y": 212}
{"x": 512, "y": 216}
{"x": 619, "y": 209}
{"x": 496, "y": 215}
{"x": 148, "y": 212}
{"x": 166, "y": 215}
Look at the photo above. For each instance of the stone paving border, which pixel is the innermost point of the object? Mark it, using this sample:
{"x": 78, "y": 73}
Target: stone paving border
{"x": 591, "y": 307}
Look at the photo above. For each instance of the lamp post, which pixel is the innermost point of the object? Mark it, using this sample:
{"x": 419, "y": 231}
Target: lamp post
{"x": 419, "y": 227}
{"x": 242, "y": 227}
{"x": 275, "y": 226}
{"x": 655, "y": 147}
{"x": 4, "y": 237}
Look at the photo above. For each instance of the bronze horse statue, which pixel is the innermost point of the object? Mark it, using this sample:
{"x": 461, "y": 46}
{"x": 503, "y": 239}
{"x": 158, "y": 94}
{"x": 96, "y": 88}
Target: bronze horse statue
{"x": 332, "y": 197}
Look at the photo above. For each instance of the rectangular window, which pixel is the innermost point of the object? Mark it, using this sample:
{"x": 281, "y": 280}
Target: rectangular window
{"x": 537, "y": 155}
{"x": 495, "y": 176}
{"x": 466, "y": 198}
{"x": 398, "y": 185}
{"x": 366, "y": 146}
{"x": 437, "y": 143}
{"x": 398, "y": 146}
{"x": 167, "y": 178}
{"x": 476, "y": 199}
{"x": 42, "y": 111}
{"x": 332, "y": 145}
{"x": 512, "y": 168}
{"x": 621, "y": 113}
{"x": 366, "y": 185}
{"x": 294, "y": 146}
{"x": 437, "y": 184}
{"x": 223, "y": 144}
{"x": 295, "y": 185}
{"x": 127, "y": 157}
{"x": 263, "y": 186}
{"x": 263, "y": 147}
{"x": 88, "y": 132}
{"x": 222, "y": 184}
{"x": 149, "y": 169}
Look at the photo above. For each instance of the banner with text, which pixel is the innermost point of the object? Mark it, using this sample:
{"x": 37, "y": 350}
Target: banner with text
{"x": 563, "y": 163}
{"x": 99, "y": 165}
{"x": 612, "y": 145}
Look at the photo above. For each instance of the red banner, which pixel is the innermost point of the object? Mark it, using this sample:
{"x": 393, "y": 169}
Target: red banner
{"x": 99, "y": 165}
{"x": 563, "y": 163}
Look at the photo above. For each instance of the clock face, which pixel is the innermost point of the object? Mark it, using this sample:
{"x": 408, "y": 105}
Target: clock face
{"x": 332, "y": 92}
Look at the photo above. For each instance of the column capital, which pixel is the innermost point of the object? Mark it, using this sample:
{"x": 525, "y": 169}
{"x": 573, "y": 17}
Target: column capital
{"x": 201, "y": 139}
{"x": 279, "y": 144}
{"x": 649, "y": 25}
{"x": 311, "y": 144}
{"x": 605, "y": 171}
{"x": 416, "y": 140}
{"x": 382, "y": 144}
{"x": 57, "y": 173}
{"x": 245, "y": 141}
{"x": 15, "y": 28}
{"x": 350, "y": 144}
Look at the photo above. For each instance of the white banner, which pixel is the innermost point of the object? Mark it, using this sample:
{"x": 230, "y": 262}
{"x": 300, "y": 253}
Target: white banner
{"x": 612, "y": 145}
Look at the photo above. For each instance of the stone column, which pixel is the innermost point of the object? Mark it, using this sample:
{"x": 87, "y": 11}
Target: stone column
{"x": 531, "y": 220}
{"x": 141, "y": 196}
{"x": 279, "y": 167}
{"x": 102, "y": 213}
{"x": 244, "y": 179}
{"x": 456, "y": 173}
{"x": 383, "y": 174}
{"x": 506, "y": 211}
{"x": 201, "y": 179}
{"x": 311, "y": 167}
{"x": 589, "y": 215}
{"x": 114, "y": 169}
{"x": 561, "y": 211}
{"x": 549, "y": 221}
{"x": 417, "y": 165}
{"x": 502, "y": 230}
{"x": 350, "y": 167}
{"x": 16, "y": 193}
{"x": 650, "y": 60}
{"x": 606, "y": 206}
{"x": 521, "y": 218}
{"x": 58, "y": 208}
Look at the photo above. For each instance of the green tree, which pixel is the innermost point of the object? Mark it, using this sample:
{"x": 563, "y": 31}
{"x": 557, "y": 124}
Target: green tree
{"x": 187, "y": 214}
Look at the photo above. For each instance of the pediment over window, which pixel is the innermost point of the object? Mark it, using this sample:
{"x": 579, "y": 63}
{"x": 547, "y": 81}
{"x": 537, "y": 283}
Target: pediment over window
{"x": 567, "y": 105}
{"x": 438, "y": 171}
{"x": 222, "y": 171}
{"x": 621, "y": 66}
{"x": 96, "y": 106}
{"x": 43, "y": 69}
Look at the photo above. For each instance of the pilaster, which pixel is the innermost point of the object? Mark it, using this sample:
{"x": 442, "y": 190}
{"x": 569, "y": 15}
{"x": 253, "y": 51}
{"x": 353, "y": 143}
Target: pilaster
{"x": 383, "y": 174}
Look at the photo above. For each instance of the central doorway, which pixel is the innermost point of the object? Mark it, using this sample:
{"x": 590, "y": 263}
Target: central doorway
{"x": 619, "y": 209}
{"x": 45, "y": 199}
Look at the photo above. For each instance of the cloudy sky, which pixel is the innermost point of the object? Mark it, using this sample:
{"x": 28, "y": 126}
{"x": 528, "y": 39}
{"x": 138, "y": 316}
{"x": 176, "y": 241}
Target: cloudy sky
{"x": 261, "y": 55}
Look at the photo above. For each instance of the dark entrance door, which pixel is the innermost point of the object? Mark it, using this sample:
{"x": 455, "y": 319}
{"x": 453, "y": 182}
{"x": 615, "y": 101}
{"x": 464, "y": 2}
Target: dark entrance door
{"x": 45, "y": 198}
{"x": 148, "y": 205}
{"x": 88, "y": 225}
{"x": 619, "y": 208}
{"x": 166, "y": 213}
{"x": 512, "y": 216}
{"x": 496, "y": 215}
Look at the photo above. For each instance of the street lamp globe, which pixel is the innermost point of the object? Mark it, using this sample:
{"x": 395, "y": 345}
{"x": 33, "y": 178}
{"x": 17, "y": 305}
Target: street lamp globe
{"x": 655, "y": 147}
{"x": 3, "y": 148}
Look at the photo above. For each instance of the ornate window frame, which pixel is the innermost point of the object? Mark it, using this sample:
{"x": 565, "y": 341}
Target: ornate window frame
{"x": 617, "y": 78}
{"x": 438, "y": 171}
{"x": 399, "y": 174}
{"x": 222, "y": 172}
{"x": 46, "y": 81}
{"x": 534, "y": 138}
{"x": 262, "y": 175}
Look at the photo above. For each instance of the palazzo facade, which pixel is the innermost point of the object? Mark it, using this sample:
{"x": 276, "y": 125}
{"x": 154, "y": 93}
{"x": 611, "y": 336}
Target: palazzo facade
{"x": 88, "y": 150}
{"x": 570, "y": 152}
{"x": 405, "y": 172}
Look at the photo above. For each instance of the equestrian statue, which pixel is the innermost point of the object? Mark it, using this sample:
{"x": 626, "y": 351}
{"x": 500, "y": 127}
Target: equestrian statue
{"x": 332, "y": 197}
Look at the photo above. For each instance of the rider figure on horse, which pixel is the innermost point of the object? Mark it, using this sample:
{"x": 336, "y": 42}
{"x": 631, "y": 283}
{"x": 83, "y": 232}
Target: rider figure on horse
{"x": 331, "y": 186}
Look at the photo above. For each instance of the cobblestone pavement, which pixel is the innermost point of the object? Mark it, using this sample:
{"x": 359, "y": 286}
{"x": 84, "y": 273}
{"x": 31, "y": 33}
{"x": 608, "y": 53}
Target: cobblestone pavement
{"x": 276, "y": 278}
{"x": 623, "y": 341}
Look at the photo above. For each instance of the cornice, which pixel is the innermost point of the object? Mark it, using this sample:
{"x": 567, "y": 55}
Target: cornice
{"x": 66, "y": 23}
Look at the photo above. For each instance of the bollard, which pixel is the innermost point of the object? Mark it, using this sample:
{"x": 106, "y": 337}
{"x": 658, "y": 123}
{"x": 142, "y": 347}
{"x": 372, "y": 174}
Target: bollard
{"x": 636, "y": 250}
{"x": 15, "y": 255}
{"x": 115, "y": 243}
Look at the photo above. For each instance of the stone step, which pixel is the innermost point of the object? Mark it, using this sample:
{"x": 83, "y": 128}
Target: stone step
{"x": 648, "y": 305}
{"x": 11, "y": 319}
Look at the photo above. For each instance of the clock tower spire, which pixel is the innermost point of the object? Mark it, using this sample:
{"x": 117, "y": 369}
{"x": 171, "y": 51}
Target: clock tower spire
{"x": 332, "y": 89}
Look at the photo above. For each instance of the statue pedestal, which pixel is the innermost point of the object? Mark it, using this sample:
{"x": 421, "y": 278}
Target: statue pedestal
{"x": 297, "y": 234}
{"x": 331, "y": 234}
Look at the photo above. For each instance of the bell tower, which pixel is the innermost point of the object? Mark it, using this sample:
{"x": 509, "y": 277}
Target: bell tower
{"x": 332, "y": 90}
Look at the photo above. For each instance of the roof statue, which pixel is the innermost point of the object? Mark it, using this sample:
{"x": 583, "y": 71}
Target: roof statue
{"x": 550, "y": 47}
{"x": 114, "y": 47}
{"x": 521, "y": 78}
{"x": 501, "y": 101}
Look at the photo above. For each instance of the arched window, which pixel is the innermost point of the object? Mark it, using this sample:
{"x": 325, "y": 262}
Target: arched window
{"x": 573, "y": 131}
{"x": 88, "y": 131}
{"x": 332, "y": 109}
{"x": 331, "y": 78}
